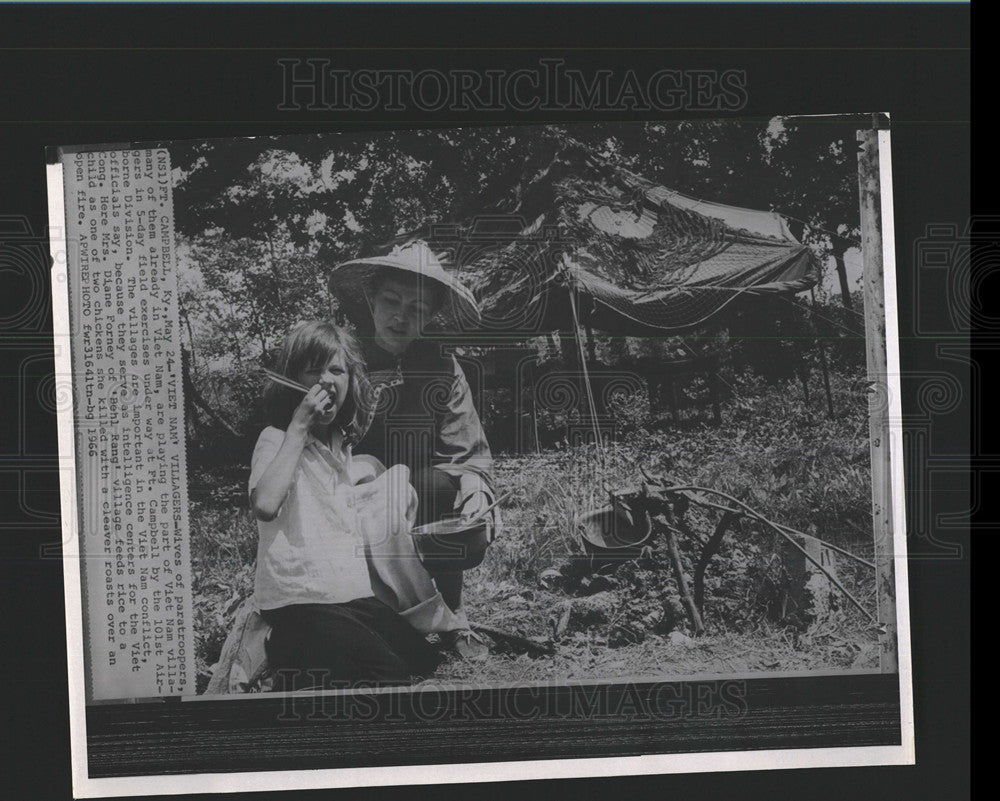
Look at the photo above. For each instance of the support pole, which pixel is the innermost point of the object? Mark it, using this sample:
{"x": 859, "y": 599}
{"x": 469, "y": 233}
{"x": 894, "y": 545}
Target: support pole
{"x": 672, "y": 396}
{"x": 822, "y": 359}
{"x": 534, "y": 407}
{"x": 713, "y": 388}
{"x": 791, "y": 325}
{"x": 801, "y": 369}
{"x": 869, "y": 196}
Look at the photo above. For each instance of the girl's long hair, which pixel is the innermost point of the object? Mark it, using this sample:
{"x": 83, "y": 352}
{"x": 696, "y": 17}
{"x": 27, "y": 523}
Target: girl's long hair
{"x": 306, "y": 345}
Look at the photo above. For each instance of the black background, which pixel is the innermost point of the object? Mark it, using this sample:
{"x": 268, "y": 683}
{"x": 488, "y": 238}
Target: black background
{"x": 92, "y": 74}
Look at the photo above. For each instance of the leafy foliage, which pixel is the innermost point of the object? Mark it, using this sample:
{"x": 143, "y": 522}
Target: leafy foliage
{"x": 260, "y": 221}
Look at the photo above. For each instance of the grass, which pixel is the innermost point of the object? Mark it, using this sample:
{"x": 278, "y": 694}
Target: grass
{"x": 791, "y": 463}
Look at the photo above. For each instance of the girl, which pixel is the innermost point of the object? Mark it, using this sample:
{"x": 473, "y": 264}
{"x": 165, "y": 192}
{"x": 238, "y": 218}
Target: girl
{"x": 314, "y": 584}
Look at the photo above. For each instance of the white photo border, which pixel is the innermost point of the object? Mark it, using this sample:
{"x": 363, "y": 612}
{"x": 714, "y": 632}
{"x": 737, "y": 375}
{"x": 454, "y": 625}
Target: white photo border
{"x": 86, "y": 787}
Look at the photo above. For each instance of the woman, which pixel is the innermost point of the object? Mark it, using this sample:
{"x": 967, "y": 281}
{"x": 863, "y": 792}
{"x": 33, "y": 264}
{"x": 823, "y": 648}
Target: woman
{"x": 425, "y": 417}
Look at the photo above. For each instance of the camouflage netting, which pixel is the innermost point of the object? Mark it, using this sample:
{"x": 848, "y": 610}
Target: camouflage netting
{"x": 641, "y": 258}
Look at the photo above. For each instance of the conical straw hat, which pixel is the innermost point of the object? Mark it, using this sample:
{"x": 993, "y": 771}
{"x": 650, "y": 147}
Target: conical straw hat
{"x": 352, "y": 282}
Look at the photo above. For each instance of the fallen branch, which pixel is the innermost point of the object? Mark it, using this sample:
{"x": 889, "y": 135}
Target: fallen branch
{"x": 682, "y": 582}
{"x": 531, "y": 646}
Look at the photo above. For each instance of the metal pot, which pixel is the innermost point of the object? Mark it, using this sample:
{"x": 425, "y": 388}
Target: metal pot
{"x": 614, "y": 534}
{"x": 452, "y": 545}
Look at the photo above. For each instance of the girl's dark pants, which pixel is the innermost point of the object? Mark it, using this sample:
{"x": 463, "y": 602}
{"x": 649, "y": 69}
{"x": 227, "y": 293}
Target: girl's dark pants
{"x": 328, "y": 646}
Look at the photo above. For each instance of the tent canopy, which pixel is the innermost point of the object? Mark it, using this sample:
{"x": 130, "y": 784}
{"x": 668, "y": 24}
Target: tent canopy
{"x": 638, "y": 258}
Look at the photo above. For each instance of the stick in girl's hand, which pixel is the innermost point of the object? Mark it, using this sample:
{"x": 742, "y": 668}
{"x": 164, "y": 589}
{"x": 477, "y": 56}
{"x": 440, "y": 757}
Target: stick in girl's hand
{"x": 278, "y": 378}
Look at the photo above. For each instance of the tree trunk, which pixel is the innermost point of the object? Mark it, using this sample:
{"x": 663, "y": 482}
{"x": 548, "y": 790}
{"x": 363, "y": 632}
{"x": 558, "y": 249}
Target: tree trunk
{"x": 845, "y": 289}
{"x": 193, "y": 396}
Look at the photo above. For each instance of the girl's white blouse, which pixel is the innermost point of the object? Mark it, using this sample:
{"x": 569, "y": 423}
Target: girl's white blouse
{"x": 313, "y": 551}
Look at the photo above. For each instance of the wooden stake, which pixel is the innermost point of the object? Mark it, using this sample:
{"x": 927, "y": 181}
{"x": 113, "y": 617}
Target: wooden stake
{"x": 871, "y": 249}
{"x": 710, "y": 549}
{"x": 694, "y": 614}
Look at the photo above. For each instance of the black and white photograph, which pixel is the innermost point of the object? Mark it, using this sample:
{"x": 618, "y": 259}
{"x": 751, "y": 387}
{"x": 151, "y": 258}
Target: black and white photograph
{"x": 466, "y": 410}
{"x": 440, "y": 399}
{"x": 557, "y": 332}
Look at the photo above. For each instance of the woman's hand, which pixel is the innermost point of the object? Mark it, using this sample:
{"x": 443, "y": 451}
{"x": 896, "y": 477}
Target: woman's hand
{"x": 312, "y": 407}
{"x": 474, "y": 505}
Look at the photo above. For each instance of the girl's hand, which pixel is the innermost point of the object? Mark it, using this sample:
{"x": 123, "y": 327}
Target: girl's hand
{"x": 313, "y": 406}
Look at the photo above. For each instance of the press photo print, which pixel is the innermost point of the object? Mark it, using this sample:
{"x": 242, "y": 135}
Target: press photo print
{"x": 452, "y": 454}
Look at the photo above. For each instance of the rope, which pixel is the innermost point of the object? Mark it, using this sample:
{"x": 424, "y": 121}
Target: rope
{"x": 748, "y": 511}
{"x": 586, "y": 378}
{"x": 827, "y": 231}
{"x": 753, "y": 513}
{"x": 789, "y": 529}
{"x": 831, "y": 321}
